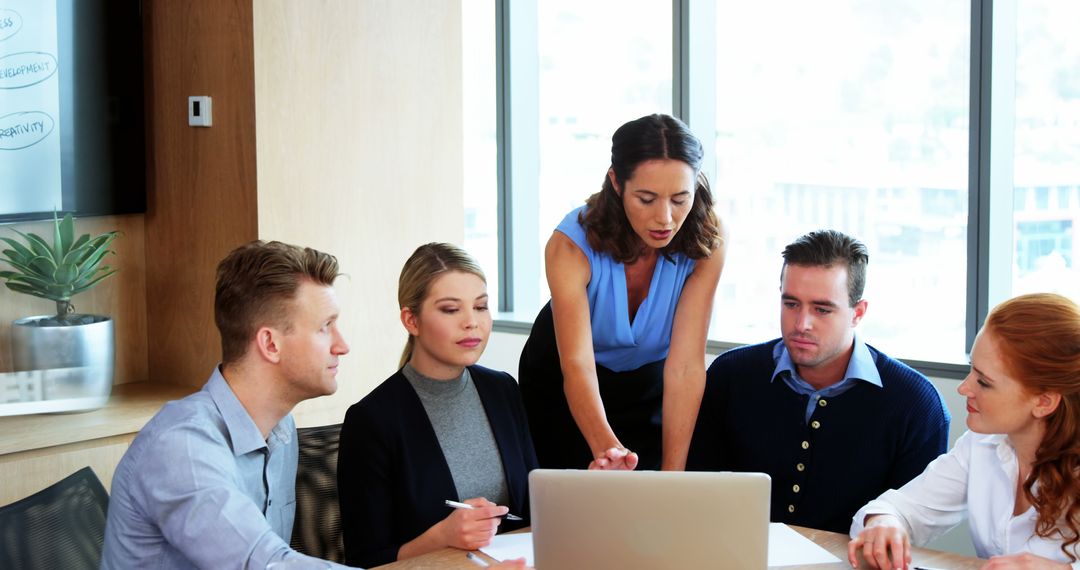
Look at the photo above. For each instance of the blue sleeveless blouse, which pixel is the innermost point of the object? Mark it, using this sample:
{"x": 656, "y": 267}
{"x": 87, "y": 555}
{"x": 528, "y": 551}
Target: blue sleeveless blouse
{"x": 618, "y": 344}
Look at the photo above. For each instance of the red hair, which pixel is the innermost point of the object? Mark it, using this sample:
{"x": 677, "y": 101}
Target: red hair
{"x": 1039, "y": 340}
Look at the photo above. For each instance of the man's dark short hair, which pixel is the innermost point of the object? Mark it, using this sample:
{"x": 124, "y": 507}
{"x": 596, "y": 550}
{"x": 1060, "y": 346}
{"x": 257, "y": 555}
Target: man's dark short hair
{"x": 826, "y": 248}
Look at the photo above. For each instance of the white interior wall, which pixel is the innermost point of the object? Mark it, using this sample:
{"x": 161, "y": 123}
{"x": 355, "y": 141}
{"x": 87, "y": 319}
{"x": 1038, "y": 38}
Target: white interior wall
{"x": 358, "y": 107}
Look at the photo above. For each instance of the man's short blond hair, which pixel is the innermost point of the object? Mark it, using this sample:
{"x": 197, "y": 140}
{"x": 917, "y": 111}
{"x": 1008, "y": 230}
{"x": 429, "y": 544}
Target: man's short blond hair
{"x": 255, "y": 284}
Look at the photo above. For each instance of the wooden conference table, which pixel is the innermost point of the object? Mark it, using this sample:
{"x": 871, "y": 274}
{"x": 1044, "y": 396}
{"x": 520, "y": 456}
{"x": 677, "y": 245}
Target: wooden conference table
{"x": 835, "y": 543}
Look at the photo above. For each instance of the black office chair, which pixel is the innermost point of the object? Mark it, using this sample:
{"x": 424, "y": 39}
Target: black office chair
{"x": 317, "y": 530}
{"x": 61, "y": 526}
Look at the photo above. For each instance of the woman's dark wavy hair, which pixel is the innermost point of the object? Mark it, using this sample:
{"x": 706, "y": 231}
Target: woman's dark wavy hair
{"x": 651, "y": 137}
{"x": 1038, "y": 336}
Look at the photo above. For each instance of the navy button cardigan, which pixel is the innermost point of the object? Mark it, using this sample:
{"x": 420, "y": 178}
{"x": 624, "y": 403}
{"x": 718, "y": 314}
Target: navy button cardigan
{"x": 855, "y": 446}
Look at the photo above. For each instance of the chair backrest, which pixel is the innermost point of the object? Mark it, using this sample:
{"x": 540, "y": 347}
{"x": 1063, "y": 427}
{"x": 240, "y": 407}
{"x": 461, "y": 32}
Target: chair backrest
{"x": 61, "y": 526}
{"x": 317, "y": 530}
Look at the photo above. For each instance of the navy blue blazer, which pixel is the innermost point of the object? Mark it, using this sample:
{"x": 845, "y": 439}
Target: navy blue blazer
{"x": 393, "y": 478}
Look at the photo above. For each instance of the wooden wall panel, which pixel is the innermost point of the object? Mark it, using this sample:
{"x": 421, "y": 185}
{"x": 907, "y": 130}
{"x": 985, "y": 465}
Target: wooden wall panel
{"x": 202, "y": 201}
{"x": 31, "y": 471}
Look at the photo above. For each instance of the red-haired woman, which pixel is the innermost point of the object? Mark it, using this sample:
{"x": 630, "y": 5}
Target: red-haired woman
{"x": 1016, "y": 474}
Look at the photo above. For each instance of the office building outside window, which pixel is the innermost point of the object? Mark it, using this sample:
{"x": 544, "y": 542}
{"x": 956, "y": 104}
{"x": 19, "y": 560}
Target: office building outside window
{"x": 849, "y": 116}
{"x": 1046, "y": 147}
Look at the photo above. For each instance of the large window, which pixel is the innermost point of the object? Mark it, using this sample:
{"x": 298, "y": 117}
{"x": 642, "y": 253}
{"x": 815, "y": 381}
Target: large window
{"x": 871, "y": 117}
{"x": 600, "y": 63}
{"x": 480, "y": 145}
{"x": 1046, "y": 147}
{"x": 849, "y": 115}
{"x": 570, "y": 74}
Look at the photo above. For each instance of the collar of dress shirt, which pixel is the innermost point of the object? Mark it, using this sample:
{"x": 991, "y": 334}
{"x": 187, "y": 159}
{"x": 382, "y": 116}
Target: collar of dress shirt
{"x": 243, "y": 432}
{"x": 1004, "y": 449}
{"x": 860, "y": 367}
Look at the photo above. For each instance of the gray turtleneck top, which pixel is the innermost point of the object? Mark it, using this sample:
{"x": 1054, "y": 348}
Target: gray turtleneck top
{"x": 461, "y": 426}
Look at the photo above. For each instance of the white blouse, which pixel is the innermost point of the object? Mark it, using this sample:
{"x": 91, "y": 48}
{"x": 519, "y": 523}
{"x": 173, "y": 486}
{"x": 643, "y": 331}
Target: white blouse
{"x": 977, "y": 480}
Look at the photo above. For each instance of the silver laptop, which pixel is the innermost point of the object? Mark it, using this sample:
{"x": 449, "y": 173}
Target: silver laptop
{"x": 649, "y": 519}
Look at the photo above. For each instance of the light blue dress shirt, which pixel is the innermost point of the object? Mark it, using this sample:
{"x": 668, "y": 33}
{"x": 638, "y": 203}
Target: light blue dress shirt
{"x": 200, "y": 488}
{"x": 860, "y": 367}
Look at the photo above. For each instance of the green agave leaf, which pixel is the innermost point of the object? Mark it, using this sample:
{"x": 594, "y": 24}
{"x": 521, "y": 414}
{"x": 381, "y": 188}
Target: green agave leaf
{"x": 37, "y": 245}
{"x": 57, "y": 251}
{"x": 105, "y": 239}
{"x": 65, "y": 235}
{"x": 92, "y": 262}
{"x": 78, "y": 255}
{"x": 20, "y": 288}
{"x": 43, "y": 265}
{"x": 83, "y": 239}
{"x": 88, "y": 275}
{"x": 97, "y": 245}
{"x": 65, "y": 273}
{"x": 27, "y": 269}
{"x": 37, "y": 241}
{"x": 22, "y": 250}
{"x": 32, "y": 280}
{"x": 13, "y": 255}
{"x": 80, "y": 288}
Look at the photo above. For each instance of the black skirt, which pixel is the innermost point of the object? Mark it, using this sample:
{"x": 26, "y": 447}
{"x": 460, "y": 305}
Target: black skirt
{"x": 632, "y": 401}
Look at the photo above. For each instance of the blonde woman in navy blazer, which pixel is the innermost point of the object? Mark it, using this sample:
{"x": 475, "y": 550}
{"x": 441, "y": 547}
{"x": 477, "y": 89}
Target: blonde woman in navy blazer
{"x": 394, "y": 469}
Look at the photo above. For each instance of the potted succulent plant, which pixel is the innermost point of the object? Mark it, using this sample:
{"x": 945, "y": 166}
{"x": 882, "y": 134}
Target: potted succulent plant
{"x": 72, "y": 354}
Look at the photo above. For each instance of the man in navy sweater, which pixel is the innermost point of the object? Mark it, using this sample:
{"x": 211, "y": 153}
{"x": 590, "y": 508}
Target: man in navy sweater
{"x": 834, "y": 421}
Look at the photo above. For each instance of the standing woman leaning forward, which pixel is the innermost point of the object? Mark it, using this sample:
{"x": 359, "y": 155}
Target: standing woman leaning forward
{"x": 1016, "y": 474}
{"x": 632, "y": 276}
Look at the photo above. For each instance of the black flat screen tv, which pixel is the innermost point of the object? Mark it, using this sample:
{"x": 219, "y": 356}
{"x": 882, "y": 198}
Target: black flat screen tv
{"x": 72, "y": 120}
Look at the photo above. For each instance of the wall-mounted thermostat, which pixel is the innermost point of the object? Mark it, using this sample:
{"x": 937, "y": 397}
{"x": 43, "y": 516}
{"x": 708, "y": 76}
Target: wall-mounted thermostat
{"x": 198, "y": 114}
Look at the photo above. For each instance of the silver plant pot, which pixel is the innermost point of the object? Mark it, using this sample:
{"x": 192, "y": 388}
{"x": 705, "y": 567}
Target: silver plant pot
{"x": 74, "y": 363}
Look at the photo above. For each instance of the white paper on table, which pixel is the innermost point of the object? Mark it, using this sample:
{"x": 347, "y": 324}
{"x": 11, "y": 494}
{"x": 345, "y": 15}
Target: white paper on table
{"x": 508, "y": 546}
{"x": 788, "y": 548}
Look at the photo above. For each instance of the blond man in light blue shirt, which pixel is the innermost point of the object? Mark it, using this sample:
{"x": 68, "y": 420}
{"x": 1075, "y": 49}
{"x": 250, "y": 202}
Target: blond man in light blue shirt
{"x": 210, "y": 481}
